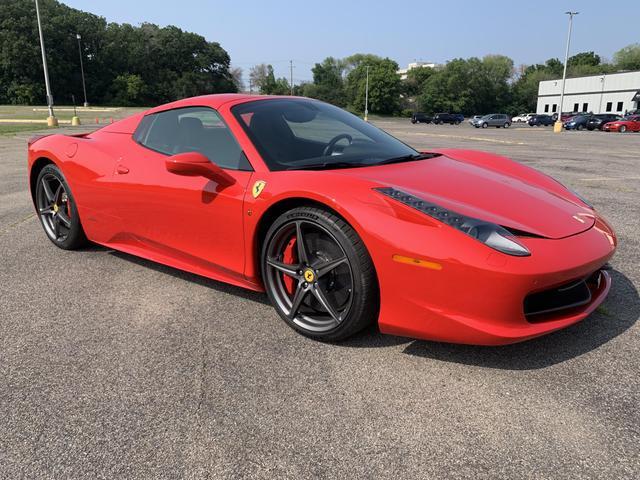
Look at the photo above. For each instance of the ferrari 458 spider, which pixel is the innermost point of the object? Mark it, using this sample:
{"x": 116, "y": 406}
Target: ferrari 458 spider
{"x": 341, "y": 224}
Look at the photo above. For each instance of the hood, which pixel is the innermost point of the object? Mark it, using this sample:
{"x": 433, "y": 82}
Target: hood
{"x": 483, "y": 193}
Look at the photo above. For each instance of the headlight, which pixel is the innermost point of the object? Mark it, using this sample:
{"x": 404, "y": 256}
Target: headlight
{"x": 492, "y": 235}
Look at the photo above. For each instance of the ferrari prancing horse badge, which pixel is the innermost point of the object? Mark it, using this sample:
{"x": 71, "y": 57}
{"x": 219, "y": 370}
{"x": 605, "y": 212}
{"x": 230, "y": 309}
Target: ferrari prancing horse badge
{"x": 257, "y": 188}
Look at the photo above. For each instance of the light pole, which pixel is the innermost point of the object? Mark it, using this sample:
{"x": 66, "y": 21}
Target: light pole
{"x": 52, "y": 121}
{"x": 557, "y": 127}
{"x": 84, "y": 86}
{"x": 366, "y": 97}
{"x": 291, "y": 75}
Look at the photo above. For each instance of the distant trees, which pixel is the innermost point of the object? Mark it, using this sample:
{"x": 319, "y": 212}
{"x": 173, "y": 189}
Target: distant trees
{"x": 343, "y": 83}
{"x": 628, "y": 58}
{"x": 264, "y": 81}
{"x": 123, "y": 64}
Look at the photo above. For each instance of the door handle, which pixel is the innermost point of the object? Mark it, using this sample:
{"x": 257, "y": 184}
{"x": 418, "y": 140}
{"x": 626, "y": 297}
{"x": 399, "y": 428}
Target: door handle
{"x": 121, "y": 170}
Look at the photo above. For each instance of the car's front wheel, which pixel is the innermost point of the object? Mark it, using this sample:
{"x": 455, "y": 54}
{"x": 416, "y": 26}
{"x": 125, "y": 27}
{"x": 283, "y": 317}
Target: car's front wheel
{"x": 318, "y": 274}
{"x": 622, "y": 129}
{"x": 57, "y": 209}
{"x": 485, "y": 125}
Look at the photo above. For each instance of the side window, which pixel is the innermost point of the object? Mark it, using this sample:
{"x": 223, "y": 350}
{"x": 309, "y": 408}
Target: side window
{"x": 192, "y": 129}
{"x": 619, "y": 109}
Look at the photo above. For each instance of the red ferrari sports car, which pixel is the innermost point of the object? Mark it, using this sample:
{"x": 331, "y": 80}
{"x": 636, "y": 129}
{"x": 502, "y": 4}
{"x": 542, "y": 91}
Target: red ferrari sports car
{"x": 627, "y": 124}
{"x": 340, "y": 223}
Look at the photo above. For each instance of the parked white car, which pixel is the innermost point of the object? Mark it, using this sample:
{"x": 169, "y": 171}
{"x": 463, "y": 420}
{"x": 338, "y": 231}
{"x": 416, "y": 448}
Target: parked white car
{"x": 523, "y": 117}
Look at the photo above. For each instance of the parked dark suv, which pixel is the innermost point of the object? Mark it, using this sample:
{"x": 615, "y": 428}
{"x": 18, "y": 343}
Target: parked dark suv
{"x": 451, "y": 118}
{"x": 598, "y": 120}
{"x": 538, "y": 120}
{"x": 419, "y": 117}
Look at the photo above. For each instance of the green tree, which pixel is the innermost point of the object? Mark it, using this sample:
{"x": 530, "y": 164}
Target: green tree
{"x": 328, "y": 83}
{"x": 127, "y": 89}
{"x": 384, "y": 83}
{"x": 469, "y": 86}
{"x": 628, "y": 58}
{"x": 169, "y": 62}
{"x": 584, "y": 58}
{"x": 416, "y": 78}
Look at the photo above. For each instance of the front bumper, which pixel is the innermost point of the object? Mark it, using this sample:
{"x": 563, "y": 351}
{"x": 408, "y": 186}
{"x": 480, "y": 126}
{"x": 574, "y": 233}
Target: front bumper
{"x": 481, "y": 300}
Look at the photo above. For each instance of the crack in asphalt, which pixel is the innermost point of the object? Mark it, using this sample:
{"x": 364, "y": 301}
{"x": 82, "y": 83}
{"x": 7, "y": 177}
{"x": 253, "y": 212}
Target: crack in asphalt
{"x": 17, "y": 222}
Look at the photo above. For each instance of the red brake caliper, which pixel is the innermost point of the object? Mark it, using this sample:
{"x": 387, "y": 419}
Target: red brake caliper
{"x": 290, "y": 256}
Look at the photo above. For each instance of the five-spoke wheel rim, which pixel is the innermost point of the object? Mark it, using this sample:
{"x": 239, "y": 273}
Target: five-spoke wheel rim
{"x": 54, "y": 207}
{"x": 309, "y": 276}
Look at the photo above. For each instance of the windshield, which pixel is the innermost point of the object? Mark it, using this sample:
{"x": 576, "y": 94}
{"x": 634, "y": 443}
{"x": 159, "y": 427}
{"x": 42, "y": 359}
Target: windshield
{"x": 295, "y": 134}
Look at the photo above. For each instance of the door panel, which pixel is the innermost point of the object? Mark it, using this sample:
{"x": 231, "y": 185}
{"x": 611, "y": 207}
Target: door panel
{"x": 192, "y": 220}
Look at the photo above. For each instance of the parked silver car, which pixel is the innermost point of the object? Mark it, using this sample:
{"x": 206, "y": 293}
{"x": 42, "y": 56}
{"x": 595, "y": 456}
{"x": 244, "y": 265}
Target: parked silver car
{"x": 493, "y": 120}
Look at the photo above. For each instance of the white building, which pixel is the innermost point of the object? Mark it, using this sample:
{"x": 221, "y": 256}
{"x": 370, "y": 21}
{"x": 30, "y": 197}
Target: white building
{"x": 403, "y": 71}
{"x": 612, "y": 93}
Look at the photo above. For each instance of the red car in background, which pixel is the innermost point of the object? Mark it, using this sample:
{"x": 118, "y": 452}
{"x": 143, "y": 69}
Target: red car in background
{"x": 340, "y": 223}
{"x": 627, "y": 124}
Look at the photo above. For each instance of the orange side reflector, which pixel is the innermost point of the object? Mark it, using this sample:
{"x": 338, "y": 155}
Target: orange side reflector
{"x": 417, "y": 262}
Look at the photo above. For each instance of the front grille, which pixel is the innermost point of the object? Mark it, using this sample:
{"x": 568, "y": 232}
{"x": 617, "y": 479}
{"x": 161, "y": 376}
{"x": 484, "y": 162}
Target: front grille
{"x": 540, "y": 306}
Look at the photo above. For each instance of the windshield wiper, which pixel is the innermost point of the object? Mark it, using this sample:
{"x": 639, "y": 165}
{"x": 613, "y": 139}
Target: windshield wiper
{"x": 327, "y": 165}
{"x": 407, "y": 158}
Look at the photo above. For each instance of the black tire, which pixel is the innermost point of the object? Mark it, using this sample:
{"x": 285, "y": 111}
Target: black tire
{"x": 414, "y": 121}
{"x": 350, "y": 288}
{"x": 622, "y": 129}
{"x": 485, "y": 125}
{"x": 506, "y": 125}
{"x": 57, "y": 210}
{"x": 580, "y": 127}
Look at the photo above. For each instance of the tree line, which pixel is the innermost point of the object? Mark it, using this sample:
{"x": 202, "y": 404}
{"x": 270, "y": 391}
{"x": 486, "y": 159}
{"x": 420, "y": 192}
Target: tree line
{"x": 469, "y": 86}
{"x": 150, "y": 65}
{"x": 124, "y": 64}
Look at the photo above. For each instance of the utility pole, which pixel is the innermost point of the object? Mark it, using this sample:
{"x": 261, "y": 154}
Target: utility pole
{"x": 291, "y": 75}
{"x": 557, "y": 127}
{"x": 366, "y": 97}
{"x": 250, "y": 86}
{"x": 84, "y": 86}
{"x": 52, "y": 121}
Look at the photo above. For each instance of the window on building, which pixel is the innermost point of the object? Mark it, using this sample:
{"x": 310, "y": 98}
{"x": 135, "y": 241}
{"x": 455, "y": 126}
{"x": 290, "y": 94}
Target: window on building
{"x": 546, "y": 108}
{"x": 619, "y": 109}
{"x": 609, "y": 106}
{"x": 585, "y": 107}
{"x": 575, "y": 107}
{"x": 554, "y": 108}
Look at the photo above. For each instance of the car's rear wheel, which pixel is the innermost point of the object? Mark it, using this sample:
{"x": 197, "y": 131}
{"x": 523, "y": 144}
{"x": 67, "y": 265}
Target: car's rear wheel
{"x": 580, "y": 127}
{"x": 622, "y": 129}
{"x": 57, "y": 209}
{"x": 318, "y": 274}
{"x": 506, "y": 124}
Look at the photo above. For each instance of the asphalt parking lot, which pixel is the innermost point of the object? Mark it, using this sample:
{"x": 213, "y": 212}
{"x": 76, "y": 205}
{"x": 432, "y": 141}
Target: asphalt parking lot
{"x": 114, "y": 367}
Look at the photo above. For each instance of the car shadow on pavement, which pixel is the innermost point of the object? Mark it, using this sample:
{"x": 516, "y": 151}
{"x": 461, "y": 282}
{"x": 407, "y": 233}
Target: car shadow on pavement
{"x": 617, "y": 314}
{"x": 193, "y": 278}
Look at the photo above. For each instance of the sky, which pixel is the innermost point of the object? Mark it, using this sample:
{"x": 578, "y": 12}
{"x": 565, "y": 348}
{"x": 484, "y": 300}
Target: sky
{"x": 276, "y": 31}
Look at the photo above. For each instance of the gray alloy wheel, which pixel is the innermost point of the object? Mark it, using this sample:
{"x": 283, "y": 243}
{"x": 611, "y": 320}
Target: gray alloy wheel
{"x": 57, "y": 209}
{"x": 623, "y": 128}
{"x": 506, "y": 124}
{"x": 485, "y": 125}
{"x": 318, "y": 274}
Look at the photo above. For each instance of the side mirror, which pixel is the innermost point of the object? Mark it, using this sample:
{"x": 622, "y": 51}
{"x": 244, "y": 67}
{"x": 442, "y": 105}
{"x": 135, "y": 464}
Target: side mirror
{"x": 195, "y": 164}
